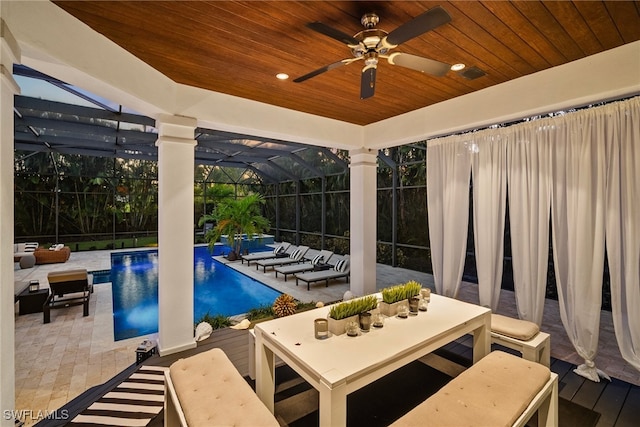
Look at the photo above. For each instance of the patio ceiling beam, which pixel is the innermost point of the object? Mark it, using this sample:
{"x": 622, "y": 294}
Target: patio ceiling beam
{"x": 283, "y": 170}
{"x": 386, "y": 159}
{"x": 60, "y": 140}
{"x": 21, "y": 70}
{"x": 41, "y": 106}
{"x": 230, "y": 148}
{"x": 317, "y": 172}
{"x": 330, "y": 154}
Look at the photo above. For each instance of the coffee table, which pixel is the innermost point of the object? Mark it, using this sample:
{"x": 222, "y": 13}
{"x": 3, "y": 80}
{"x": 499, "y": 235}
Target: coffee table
{"x": 341, "y": 364}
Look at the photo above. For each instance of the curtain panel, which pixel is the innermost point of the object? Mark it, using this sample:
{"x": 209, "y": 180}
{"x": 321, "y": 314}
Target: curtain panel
{"x": 581, "y": 169}
{"x": 622, "y": 219}
{"x": 528, "y": 175}
{"x": 448, "y": 174}
{"x": 489, "y": 177}
{"x": 577, "y": 217}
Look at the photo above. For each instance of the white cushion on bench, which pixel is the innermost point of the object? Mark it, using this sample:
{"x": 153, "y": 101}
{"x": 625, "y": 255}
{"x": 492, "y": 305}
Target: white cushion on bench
{"x": 211, "y": 392}
{"x": 514, "y": 328}
{"x": 493, "y": 392}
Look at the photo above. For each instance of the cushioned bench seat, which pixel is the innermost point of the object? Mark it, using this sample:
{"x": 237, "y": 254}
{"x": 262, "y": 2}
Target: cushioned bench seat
{"x": 523, "y": 336}
{"x": 207, "y": 390}
{"x": 500, "y": 390}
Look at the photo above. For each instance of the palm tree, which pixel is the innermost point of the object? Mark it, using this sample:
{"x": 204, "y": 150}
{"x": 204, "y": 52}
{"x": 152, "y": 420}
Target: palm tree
{"x": 235, "y": 217}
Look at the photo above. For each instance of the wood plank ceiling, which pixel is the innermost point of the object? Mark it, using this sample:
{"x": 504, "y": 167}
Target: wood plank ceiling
{"x": 237, "y": 48}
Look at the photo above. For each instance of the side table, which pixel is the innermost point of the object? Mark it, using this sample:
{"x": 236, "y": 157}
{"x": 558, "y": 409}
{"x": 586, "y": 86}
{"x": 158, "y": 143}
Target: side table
{"x": 32, "y": 302}
{"x": 144, "y": 351}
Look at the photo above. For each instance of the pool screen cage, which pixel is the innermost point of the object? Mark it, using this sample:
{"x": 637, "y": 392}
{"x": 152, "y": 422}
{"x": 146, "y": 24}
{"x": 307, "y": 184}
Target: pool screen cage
{"x": 86, "y": 174}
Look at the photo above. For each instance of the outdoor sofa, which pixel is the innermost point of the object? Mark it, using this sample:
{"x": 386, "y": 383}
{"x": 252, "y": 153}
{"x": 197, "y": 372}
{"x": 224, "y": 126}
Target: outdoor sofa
{"x": 23, "y": 249}
{"x": 56, "y": 254}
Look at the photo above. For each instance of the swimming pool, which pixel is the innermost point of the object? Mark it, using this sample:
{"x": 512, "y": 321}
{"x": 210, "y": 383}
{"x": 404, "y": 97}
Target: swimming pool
{"x": 218, "y": 289}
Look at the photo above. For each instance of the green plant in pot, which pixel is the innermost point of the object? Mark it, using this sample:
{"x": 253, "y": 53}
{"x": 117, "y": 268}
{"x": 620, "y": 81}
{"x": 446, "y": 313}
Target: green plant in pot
{"x": 394, "y": 296}
{"x": 340, "y": 314}
{"x": 235, "y": 217}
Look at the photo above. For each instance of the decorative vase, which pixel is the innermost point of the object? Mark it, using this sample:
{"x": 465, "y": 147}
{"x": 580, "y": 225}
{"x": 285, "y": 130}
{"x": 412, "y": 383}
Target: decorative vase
{"x": 390, "y": 310}
{"x": 337, "y": 327}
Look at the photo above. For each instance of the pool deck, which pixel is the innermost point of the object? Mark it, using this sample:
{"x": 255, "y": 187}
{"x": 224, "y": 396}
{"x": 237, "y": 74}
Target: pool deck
{"x": 58, "y": 361}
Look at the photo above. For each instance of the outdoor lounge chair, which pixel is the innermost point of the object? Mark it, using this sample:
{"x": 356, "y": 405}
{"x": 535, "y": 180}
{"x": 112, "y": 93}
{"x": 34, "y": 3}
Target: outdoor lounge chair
{"x": 69, "y": 287}
{"x": 295, "y": 257}
{"x": 282, "y": 251}
{"x": 315, "y": 264}
{"x": 340, "y": 269}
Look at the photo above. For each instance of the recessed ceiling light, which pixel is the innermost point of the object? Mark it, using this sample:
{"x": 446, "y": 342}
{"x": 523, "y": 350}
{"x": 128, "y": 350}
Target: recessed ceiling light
{"x": 282, "y": 76}
{"x": 457, "y": 67}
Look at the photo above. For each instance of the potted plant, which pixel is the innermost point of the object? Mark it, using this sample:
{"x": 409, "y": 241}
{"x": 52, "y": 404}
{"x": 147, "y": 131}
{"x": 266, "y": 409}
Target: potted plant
{"x": 394, "y": 296}
{"x": 342, "y": 313}
{"x": 235, "y": 218}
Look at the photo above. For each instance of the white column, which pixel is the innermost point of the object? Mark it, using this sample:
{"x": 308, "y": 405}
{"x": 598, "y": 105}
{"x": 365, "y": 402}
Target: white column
{"x": 176, "y": 155}
{"x": 10, "y": 54}
{"x": 363, "y": 226}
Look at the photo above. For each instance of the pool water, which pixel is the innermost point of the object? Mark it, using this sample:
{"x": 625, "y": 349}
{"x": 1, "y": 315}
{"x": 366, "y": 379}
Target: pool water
{"x": 218, "y": 289}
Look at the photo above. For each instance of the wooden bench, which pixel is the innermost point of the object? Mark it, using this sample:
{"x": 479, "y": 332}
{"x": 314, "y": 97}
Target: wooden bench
{"x": 68, "y": 287}
{"x": 500, "y": 390}
{"x": 207, "y": 390}
{"x": 522, "y": 336}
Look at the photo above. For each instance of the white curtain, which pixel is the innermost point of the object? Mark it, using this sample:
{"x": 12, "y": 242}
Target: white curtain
{"x": 489, "y": 178}
{"x": 623, "y": 223}
{"x": 577, "y": 213}
{"x": 448, "y": 173}
{"x": 528, "y": 159}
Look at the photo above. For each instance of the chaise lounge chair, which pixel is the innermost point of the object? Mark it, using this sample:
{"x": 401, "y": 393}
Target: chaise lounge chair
{"x": 340, "y": 269}
{"x": 279, "y": 251}
{"x": 319, "y": 261}
{"x": 295, "y": 257}
{"x": 69, "y": 287}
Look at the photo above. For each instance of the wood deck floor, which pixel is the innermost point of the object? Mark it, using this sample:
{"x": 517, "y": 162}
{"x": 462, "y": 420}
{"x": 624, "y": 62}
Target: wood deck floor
{"x": 617, "y": 402}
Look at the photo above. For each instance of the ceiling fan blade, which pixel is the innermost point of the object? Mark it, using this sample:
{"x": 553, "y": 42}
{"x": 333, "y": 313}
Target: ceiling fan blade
{"x": 429, "y": 20}
{"x": 368, "y": 82}
{"x": 333, "y": 33}
{"x": 418, "y": 63}
{"x": 325, "y": 69}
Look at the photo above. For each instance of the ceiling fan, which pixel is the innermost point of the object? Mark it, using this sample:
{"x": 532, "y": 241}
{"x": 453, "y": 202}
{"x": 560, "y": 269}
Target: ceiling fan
{"x": 373, "y": 44}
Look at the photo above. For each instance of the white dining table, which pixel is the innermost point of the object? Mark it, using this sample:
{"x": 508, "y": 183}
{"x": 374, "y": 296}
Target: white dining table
{"x": 341, "y": 364}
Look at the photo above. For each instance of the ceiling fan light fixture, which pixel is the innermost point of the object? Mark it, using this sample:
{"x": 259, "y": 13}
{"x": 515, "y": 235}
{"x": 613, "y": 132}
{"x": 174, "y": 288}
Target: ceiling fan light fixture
{"x": 282, "y": 76}
{"x": 457, "y": 67}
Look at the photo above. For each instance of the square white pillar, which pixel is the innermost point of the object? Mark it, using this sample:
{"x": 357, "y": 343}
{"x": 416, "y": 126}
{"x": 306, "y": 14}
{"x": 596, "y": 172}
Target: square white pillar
{"x": 9, "y": 54}
{"x": 176, "y": 156}
{"x": 363, "y": 222}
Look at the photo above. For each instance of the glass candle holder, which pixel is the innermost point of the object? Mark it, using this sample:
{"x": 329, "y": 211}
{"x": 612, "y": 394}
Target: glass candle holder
{"x": 426, "y": 294}
{"x": 413, "y": 305}
{"x": 423, "y": 304}
{"x": 403, "y": 311}
{"x": 365, "y": 321}
{"x": 352, "y": 328}
{"x": 378, "y": 320}
{"x": 321, "y": 328}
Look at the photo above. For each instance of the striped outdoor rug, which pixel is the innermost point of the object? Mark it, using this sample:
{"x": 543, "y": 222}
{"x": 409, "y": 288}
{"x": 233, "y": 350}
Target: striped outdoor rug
{"x": 134, "y": 402}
